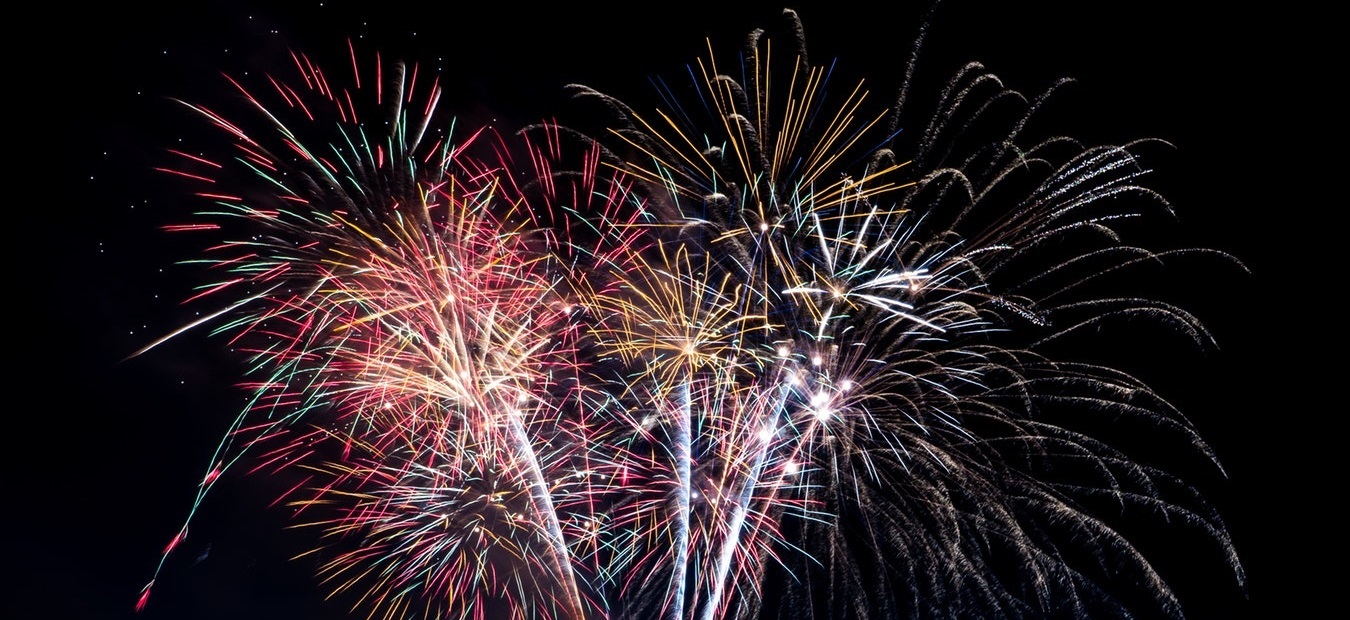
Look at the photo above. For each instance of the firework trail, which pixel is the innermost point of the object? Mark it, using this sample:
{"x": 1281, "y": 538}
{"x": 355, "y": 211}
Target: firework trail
{"x": 899, "y": 293}
{"x": 396, "y": 305}
{"x": 761, "y": 353}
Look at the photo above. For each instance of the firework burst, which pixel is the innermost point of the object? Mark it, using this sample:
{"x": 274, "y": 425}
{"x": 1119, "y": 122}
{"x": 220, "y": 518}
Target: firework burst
{"x": 949, "y": 465}
{"x": 767, "y": 353}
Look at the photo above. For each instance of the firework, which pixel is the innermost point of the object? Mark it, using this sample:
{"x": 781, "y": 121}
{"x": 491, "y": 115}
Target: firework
{"x": 761, "y": 355}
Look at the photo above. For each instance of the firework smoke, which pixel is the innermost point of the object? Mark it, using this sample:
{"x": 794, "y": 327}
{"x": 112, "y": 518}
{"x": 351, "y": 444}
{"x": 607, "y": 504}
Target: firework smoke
{"x": 772, "y": 352}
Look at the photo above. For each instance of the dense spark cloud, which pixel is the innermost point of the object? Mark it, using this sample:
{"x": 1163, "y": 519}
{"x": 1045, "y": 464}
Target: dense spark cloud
{"x": 767, "y": 351}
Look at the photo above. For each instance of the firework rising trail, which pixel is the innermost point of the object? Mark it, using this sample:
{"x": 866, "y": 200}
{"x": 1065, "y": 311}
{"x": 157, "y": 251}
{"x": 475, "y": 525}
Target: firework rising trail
{"x": 772, "y": 350}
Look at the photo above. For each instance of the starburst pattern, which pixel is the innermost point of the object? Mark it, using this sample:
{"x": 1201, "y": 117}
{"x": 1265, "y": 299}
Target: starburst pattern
{"x": 773, "y": 354}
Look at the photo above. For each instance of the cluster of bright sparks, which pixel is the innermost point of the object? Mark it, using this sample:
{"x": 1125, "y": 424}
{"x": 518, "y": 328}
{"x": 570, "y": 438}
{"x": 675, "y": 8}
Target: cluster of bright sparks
{"x": 663, "y": 369}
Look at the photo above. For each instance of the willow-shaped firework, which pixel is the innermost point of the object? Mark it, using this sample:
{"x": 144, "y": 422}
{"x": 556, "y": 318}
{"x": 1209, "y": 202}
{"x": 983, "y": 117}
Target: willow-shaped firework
{"x": 724, "y": 361}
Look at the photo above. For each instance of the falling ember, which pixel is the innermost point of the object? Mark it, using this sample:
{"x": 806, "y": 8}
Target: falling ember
{"x": 144, "y": 597}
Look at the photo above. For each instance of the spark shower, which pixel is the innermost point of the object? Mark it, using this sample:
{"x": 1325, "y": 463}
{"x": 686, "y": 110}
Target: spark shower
{"x": 771, "y": 349}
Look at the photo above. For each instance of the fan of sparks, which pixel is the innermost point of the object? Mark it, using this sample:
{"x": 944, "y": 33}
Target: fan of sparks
{"x": 765, "y": 355}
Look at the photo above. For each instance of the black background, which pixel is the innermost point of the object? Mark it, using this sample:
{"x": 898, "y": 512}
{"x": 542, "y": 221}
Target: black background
{"x": 105, "y": 454}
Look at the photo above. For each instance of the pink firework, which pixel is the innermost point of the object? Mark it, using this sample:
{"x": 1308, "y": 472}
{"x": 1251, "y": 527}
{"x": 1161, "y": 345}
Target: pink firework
{"x": 663, "y": 366}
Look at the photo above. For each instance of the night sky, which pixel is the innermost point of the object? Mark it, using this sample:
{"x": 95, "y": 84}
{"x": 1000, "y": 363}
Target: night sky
{"x": 106, "y": 453}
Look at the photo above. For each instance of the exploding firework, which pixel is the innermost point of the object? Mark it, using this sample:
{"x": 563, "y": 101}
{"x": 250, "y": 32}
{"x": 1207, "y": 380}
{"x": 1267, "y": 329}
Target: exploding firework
{"x": 769, "y": 352}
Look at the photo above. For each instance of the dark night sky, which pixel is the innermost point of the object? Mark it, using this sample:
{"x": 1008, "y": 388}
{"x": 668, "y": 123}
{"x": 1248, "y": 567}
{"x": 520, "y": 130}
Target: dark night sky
{"x": 107, "y": 452}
